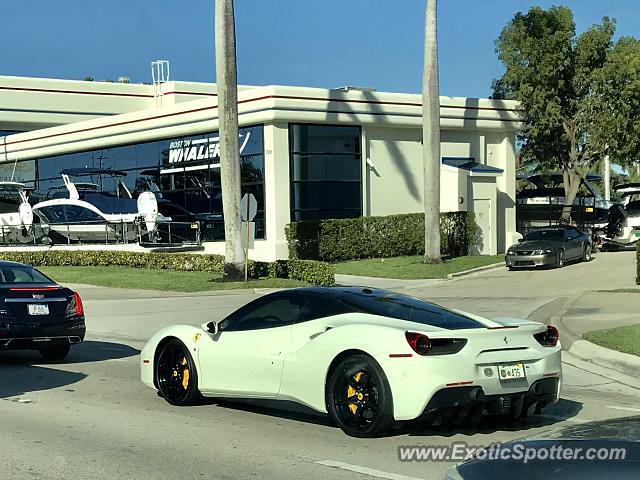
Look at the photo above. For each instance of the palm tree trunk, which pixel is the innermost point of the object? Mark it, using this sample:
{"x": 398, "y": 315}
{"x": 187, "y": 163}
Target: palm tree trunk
{"x": 431, "y": 137}
{"x": 227, "y": 85}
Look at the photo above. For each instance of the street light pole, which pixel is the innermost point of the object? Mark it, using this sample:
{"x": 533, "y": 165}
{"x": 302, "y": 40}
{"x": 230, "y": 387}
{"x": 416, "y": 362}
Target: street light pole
{"x": 607, "y": 178}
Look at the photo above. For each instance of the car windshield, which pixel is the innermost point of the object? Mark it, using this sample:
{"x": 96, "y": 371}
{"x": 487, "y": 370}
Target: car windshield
{"x": 17, "y": 274}
{"x": 545, "y": 235}
{"x": 411, "y": 309}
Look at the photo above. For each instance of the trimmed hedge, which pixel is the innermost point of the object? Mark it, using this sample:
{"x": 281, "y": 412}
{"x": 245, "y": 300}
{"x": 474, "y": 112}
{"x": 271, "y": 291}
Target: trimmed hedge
{"x": 310, "y": 271}
{"x": 338, "y": 240}
{"x": 112, "y": 258}
{"x": 317, "y": 273}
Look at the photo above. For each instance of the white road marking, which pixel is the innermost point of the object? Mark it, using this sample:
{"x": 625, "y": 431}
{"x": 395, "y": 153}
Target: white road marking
{"x": 630, "y": 409}
{"x": 364, "y": 470}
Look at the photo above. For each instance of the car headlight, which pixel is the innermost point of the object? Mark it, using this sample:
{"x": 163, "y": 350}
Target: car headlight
{"x": 542, "y": 251}
{"x": 511, "y": 252}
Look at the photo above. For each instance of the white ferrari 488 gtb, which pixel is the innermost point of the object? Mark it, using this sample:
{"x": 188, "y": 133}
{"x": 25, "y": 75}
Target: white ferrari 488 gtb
{"x": 366, "y": 357}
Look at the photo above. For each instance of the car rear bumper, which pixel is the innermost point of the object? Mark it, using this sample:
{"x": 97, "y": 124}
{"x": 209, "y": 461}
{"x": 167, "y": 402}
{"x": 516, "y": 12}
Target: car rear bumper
{"x": 416, "y": 381}
{"x": 38, "y": 343}
{"x": 38, "y": 338}
{"x": 460, "y": 403}
{"x": 528, "y": 261}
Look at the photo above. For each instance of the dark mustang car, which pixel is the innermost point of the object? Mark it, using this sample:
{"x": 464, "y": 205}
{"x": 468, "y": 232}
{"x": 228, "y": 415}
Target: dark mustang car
{"x": 549, "y": 247}
{"x": 38, "y": 314}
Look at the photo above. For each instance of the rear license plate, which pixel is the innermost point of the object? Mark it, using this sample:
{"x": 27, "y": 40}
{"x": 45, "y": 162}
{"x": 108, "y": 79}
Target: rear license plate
{"x": 512, "y": 371}
{"x": 38, "y": 309}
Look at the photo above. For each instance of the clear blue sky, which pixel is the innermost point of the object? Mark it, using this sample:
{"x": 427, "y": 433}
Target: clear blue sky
{"x": 326, "y": 43}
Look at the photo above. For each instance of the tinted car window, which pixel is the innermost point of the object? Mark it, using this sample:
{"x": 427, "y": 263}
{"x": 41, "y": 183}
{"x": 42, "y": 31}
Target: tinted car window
{"x": 545, "y": 235}
{"x": 18, "y": 274}
{"x": 408, "y": 308}
{"x": 265, "y": 313}
{"x": 322, "y": 307}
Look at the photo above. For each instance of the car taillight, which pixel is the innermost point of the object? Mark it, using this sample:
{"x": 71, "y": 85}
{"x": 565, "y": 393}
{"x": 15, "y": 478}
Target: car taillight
{"x": 78, "y": 303}
{"x": 548, "y": 338}
{"x": 418, "y": 342}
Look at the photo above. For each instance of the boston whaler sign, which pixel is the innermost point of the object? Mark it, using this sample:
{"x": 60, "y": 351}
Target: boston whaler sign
{"x": 187, "y": 151}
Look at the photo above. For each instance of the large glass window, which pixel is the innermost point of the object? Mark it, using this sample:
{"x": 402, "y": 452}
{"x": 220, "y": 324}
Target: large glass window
{"x": 326, "y": 172}
{"x": 183, "y": 173}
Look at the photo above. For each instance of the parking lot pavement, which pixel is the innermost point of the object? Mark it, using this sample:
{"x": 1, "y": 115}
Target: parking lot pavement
{"x": 610, "y": 270}
{"x": 599, "y": 310}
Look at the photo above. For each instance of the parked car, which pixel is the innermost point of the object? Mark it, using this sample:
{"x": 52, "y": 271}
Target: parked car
{"x": 549, "y": 247}
{"x": 367, "y": 357}
{"x": 38, "y": 314}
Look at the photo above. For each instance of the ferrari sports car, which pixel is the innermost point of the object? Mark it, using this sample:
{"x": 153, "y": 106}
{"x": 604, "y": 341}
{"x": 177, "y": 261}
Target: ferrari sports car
{"x": 367, "y": 357}
{"x": 38, "y": 314}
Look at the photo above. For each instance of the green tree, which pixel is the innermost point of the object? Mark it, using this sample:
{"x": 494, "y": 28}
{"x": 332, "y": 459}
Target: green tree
{"x": 579, "y": 94}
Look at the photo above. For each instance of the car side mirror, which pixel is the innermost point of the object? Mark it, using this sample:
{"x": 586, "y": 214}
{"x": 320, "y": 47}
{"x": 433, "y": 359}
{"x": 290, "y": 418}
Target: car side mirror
{"x": 211, "y": 327}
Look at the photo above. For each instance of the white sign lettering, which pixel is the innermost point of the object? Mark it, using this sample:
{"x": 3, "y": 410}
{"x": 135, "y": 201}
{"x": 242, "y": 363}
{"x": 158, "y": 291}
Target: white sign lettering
{"x": 203, "y": 149}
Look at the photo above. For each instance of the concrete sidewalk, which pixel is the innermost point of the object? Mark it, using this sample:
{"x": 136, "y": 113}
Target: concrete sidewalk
{"x": 599, "y": 310}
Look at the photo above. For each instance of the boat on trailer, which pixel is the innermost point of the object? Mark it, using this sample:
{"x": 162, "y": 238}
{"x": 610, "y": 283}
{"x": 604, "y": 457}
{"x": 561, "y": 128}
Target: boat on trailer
{"x": 540, "y": 200}
{"x": 623, "y": 228}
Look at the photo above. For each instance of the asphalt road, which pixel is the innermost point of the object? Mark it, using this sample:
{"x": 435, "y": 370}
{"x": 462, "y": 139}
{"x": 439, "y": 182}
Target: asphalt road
{"x": 90, "y": 418}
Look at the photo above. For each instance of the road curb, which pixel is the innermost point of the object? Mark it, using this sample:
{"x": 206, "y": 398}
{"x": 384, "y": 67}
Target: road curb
{"x": 484, "y": 268}
{"x": 590, "y": 352}
{"x": 605, "y": 357}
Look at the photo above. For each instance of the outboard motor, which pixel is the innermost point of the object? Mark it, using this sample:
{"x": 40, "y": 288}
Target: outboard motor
{"x": 25, "y": 213}
{"x": 148, "y": 210}
{"x": 617, "y": 217}
{"x": 23, "y": 232}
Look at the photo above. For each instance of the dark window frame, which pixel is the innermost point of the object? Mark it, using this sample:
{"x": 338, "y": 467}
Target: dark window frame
{"x": 357, "y": 155}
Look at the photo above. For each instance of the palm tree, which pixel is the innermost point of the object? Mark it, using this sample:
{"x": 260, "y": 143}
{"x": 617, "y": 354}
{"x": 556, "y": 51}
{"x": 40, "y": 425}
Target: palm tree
{"x": 431, "y": 137}
{"x": 227, "y": 86}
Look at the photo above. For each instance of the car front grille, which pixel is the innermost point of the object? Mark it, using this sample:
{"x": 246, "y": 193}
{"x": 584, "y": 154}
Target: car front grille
{"x": 524, "y": 252}
{"x": 527, "y": 263}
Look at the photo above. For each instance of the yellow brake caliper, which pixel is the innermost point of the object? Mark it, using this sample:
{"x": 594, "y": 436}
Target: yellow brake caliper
{"x": 185, "y": 374}
{"x": 351, "y": 392}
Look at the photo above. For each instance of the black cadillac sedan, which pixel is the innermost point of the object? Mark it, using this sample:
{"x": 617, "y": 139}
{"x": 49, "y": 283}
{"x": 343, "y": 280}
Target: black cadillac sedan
{"x": 38, "y": 314}
{"x": 549, "y": 247}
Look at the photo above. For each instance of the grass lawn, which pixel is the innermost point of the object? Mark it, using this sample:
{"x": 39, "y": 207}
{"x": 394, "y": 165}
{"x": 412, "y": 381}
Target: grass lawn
{"x": 622, "y": 339}
{"x": 168, "y": 280}
{"x": 410, "y": 268}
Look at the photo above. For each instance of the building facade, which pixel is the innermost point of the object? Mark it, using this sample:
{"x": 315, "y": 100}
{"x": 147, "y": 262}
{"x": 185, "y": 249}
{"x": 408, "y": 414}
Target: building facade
{"x": 306, "y": 153}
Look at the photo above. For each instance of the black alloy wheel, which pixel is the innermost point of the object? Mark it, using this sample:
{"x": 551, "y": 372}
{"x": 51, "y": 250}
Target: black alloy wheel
{"x": 359, "y": 397}
{"x": 176, "y": 376}
{"x": 58, "y": 352}
{"x": 560, "y": 259}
